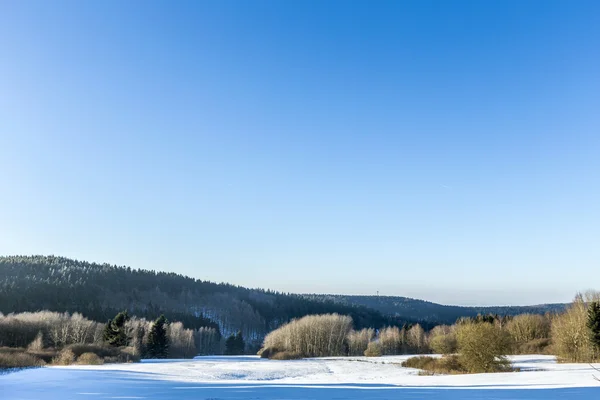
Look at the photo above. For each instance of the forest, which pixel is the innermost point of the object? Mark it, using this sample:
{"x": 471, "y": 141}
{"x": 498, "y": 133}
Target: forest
{"x": 100, "y": 291}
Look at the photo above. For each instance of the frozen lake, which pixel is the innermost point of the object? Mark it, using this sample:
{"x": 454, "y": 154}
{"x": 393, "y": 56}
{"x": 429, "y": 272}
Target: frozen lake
{"x": 326, "y": 378}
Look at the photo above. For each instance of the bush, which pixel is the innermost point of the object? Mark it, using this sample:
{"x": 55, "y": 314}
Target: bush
{"x": 18, "y": 358}
{"x": 310, "y": 336}
{"x": 373, "y": 350}
{"x": 285, "y": 355}
{"x": 445, "y": 365}
{"x": 89, "y": 359}
{"x": 46, "y": 355}
{"x": 100, "y": 350}
{"x": 482, "y": 347}
{"x": 536, "y": 346}
{"x": 65, "y": 357}
{"x": 420, "y": 362}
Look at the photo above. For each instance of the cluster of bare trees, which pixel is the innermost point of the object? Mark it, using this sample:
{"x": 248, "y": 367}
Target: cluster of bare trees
{"x": 183, "y": 342}
{"x": 571, "y": 334}
{"x": 48, "y": 329}
{"x": 358, "y": 341}
{"x": 480, "y": 342}
{"x": 310, "y": 336}
{"x": 390, "y": 340}
{"x": 332, "y": 335}
{"x": 45, "y": 329}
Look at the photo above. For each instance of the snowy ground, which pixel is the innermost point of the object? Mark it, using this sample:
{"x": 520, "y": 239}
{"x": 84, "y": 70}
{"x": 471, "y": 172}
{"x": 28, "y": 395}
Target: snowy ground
{"x": 327, "y": 378}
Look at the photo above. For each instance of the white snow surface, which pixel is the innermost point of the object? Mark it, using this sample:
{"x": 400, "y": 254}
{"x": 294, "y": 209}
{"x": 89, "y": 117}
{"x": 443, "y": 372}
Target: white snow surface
{"x": 241, "y": 377}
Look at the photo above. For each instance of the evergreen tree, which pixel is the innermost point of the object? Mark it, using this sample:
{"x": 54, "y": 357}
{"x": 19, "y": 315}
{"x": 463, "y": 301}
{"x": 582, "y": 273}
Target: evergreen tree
{"x": 158, "y": 342}
{"x": 593, "y": 323}
{"x": 114, "y": 332}
{"x": 234, "y": 345}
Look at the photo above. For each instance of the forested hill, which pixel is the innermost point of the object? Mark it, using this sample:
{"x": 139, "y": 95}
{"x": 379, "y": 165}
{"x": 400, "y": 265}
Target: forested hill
{"x": 408, "y": 308}
{"x": 98, "y": 291}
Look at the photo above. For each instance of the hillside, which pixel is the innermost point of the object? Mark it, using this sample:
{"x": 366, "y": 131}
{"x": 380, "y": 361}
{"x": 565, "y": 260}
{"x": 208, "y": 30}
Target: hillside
{"x": 98, "y": 291}
{"x": 408, "y": 308}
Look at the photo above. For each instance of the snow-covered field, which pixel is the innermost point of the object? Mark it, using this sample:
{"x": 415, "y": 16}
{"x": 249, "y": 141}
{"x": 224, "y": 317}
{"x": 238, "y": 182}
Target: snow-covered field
{"x": 325, "y": 378}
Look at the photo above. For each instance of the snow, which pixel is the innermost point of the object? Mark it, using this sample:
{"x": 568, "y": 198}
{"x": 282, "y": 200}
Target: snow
{"x": 249, "y": 377}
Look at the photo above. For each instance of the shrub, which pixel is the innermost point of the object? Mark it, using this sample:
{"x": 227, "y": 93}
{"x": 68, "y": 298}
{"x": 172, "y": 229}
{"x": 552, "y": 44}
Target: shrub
{"x": 373, "y": 350}
{"x": 100, "y": 350}
{"x": 89, "y": 359}
{"x": 18, "y": 358}
{"x": 310, "y": 336}
{"x": 536, "y": 346}
{"x": 445, "y": 365}
{"x": 285, "y": 355}
{"x": 420, "y": 362}
{"x": 482, "y": 347}
{"x": 46, "y": 355}
{"x": 65, "y": 357}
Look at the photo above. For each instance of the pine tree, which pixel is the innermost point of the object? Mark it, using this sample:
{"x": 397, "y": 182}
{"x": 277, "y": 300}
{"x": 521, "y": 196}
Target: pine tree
{"x": 234, "y": 345}
{"x": 593, "y": 324}
{"x": 239, "y": 341}
{"x": 158, "y": 342}
{"x": 114, "y": 332}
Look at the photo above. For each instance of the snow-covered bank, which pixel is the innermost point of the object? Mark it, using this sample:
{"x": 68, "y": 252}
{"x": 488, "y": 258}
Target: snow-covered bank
{"x": 251, "y": 377}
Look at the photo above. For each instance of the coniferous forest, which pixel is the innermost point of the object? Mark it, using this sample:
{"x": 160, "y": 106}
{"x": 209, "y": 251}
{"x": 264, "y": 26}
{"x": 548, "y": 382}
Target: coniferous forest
{"x": 99, "y": 291}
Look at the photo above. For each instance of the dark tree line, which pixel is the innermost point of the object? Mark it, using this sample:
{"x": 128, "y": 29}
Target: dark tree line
{"x": 100, "y": 291}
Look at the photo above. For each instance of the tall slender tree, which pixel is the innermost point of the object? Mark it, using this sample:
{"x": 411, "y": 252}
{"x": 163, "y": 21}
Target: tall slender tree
{"x": 593, "y": 324}
{"x": 158, "y": 342}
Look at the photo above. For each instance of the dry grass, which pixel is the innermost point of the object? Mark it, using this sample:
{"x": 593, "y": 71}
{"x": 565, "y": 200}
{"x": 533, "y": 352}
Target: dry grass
{"x": 447, "y": 365}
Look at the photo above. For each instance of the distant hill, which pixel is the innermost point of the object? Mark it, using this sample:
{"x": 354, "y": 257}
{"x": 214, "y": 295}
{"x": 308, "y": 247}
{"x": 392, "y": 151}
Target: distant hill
{"x": 99, "y": 291}
{"x": 404, "y": 307}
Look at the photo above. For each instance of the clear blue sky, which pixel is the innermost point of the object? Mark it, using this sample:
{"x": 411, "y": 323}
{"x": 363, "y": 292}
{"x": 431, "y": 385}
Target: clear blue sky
{"x": 446, "y": 150}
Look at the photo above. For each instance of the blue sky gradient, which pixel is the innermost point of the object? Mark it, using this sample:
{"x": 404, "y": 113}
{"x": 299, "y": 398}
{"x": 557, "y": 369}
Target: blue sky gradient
{"x": 433, "y": 149}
